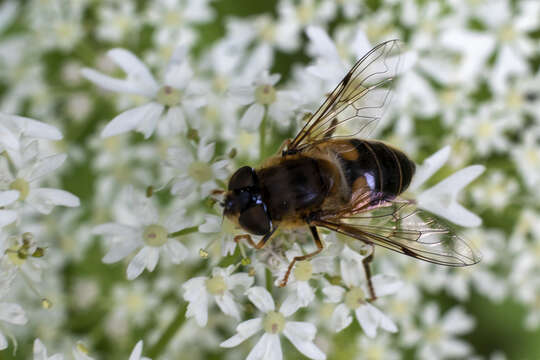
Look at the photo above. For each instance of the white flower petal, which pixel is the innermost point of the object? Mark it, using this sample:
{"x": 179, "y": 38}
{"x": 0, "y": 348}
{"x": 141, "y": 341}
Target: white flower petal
{"x": 149, "y": 123}
{"x": 31, "y": 128}
{"x": 7, "y": 197}
{"x": 114, "y": 229}
{"x": 147, "y": 258}
{"x": 267, "y": 348}
{"x": 240, "y": 279}
{"x": 261, "y": 298}
{"x": 183, "y": 187}
{"x": 120, "y": 250}
{"x": 227, "y": 304}
{"x": 366, "y": 320}
{"x": 341, "y": 318}
{"x": 245, "y": 330}
{"x": 252, "y": 118}
{"x": 129, "y": 119}
{"x": 40, "y": 352}
{"x": 12, "y": 313}
{"x": 441, "y": 199}
{"x": 429, "y": 167}
{"x": 117, "y": 85}
{"x": 3, "y": 342}
{"x": 333, "y": 293}
{"x": 174, "y": 122}
{"x": 133, "y": 67}
{"x": 301, "y": 335}
{"x": 175, "y": 250}
{"x": 456, "y": 321}
{"x": 137, "y": 351}
{"x": 290, "y": 305}
{"x": 44, "y": 199}
{"x": 205, "y": 151}
{"x": 7, "y": 217}
{"x": 386, "y": 285}
{"x": 45, "y": 166}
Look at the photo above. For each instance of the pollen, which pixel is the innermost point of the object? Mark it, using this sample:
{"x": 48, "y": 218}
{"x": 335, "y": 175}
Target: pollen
{"x": 274, "y": 322}
{"x": 155, "y": 235}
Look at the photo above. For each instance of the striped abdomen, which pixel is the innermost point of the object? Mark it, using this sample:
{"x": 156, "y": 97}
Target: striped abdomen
{"x": 385, "y": 169}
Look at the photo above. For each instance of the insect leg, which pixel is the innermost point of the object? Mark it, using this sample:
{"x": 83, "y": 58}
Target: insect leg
{"x": 320, "y": 246}
{"x": 250, "y": 241}
{"x": 366, "y": 262}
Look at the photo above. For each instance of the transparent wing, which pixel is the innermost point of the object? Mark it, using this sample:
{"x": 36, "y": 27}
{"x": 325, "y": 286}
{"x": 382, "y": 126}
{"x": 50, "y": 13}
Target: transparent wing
{"x": 402, "y": 227}
{"x": 358, "y": 102}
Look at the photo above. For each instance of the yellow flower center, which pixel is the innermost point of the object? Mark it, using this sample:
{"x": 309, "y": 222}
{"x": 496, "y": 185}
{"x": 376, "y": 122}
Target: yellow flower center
{"x": 169, "y": 96}
{"x": 303, "y": 270}
{"x": 155, "y": 235}
{"x": 354, "y": 298}
{"x": 434, "y": 334}
{"x": 200, "y": 171}
{"x": 265, "y": 94}
{"x": 274, "y": 322}
{"x": 21, "y": 186}
{"x": 216, "y": 285}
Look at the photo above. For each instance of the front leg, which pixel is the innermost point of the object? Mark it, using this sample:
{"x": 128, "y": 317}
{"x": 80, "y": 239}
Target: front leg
{"x": 320, "y": 246}
{"x": 250, "y": 241}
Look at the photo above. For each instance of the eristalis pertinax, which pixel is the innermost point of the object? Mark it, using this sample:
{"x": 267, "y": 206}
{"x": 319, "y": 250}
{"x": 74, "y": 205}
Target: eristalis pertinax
{"x": 328, "y": 176}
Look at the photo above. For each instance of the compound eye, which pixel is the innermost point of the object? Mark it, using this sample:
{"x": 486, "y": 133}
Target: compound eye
{"x": 242, "y": 178}
{"x": 255, "y": 220}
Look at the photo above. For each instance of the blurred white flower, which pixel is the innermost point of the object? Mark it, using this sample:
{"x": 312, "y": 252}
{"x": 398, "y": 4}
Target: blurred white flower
{"x": 169, "y": 104}
{"x": 263, "y": 99}
{"x": 11, "y": 313}
{"x": 146, "y": 233}
{"x": 199, "y": 290}
{"x": 355, "y": 297}
{"x": 439, "y": 333}
{"x": 136, "y": 354}
{"x": 301, "y": 293}
{"x": 441, "y": 199}
{"x": 273, "y": 323}
{"x": 197, "y": 172}
{"x": 80, "y": 352}
{"x": 116, "y": 20}
{"x": 40, "y": 352}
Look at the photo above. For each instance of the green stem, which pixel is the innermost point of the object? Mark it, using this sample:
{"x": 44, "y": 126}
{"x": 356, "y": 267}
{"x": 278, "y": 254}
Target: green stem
{"x": 182, "y": 232}
{"x": 168, "y": 334}
{"x": 262, "y": 136}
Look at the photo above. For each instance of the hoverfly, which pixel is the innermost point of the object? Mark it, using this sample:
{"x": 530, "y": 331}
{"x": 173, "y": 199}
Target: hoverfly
{"x": 328, "y": 176}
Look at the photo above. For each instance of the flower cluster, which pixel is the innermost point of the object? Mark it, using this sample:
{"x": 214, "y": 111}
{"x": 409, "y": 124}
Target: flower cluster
{"x": 111, "y": 229}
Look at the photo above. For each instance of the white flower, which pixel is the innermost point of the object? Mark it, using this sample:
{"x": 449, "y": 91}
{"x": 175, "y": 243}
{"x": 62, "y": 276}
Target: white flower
{"x": 301, "y": 293}
{"x": 195, "y": 172}
{"x": 147, "y": 233}
{"x": 198, "y": 290}
{"x": 223, "y": 228}
{"x": 11, "y": 313}
{"x": 168, "y": 103}
{"x": 136, "y": 354}
{"x": 355, "y": 297}
{"x": 441, "y": 199}
{"x": 300, "y": 334}
{"x": 262, "y": 97}
{"x": 40, "y": 352}
{"x": 25, "y": 178}
{"x": 438, "y": 334}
